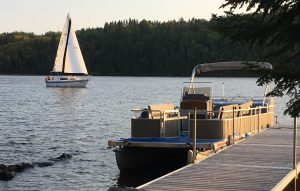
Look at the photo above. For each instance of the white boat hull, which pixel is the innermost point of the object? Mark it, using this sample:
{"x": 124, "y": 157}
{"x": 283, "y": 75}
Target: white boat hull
{"x": 69, "y": 69}
{"x": 80, "y": 83}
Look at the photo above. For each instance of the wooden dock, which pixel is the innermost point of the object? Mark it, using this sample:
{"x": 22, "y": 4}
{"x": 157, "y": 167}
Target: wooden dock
{"x": 261, "y": 162}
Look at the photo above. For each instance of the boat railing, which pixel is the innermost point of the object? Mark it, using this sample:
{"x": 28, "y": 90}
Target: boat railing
{"x": 238, "y": 112}
{"x": 234, "y": 122}
{"x": 161, "y": 114}
{"x": 239, "y": 97}
{"x": 166, "y": 120}
{"x": 249, "y": 111}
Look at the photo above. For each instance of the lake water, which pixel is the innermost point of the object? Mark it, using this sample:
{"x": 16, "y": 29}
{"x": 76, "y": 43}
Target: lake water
{"x": 39, "y": 123}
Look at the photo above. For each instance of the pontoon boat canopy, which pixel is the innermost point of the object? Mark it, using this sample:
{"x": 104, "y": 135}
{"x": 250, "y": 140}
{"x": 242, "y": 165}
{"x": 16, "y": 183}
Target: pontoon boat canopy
{"x": 232, "y": 65}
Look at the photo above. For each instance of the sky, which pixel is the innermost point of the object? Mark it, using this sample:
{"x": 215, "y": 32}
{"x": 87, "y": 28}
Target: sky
{"x": 40, "y": 16}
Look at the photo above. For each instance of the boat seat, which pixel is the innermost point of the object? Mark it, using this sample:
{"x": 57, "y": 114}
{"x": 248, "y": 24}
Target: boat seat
{"x": 226, "y": 115}
{"x": 194, "y": 97}
{"x": 246, "y": 105}
{"x": 200, "y": 101}
{"x": 156, "y": 110}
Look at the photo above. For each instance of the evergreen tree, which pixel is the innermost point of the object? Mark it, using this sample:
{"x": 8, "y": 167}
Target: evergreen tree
{"x": 275, "y": 27}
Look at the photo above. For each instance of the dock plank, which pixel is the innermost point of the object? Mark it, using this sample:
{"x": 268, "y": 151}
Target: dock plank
{"x": 257, "y": 163}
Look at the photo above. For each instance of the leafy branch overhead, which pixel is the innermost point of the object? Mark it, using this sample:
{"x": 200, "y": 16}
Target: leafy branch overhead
{"x": 269, "y": 23}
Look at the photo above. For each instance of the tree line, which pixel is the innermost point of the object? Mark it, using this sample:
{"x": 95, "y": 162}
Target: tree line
{"x": 129, "y": 47}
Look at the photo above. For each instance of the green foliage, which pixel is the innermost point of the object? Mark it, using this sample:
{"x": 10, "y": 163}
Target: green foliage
{"x": 273, "y": 26}
{"x": 26, "y": 53}
{"x": 127, "y": 47}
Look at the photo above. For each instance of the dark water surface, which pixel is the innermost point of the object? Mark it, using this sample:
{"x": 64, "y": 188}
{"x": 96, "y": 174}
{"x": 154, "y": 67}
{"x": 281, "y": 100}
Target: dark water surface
{"x": 39, "y": 123}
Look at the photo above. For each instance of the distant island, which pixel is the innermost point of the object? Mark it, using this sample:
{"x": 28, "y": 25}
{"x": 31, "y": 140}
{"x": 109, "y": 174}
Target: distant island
{"x": 129, "y": 48}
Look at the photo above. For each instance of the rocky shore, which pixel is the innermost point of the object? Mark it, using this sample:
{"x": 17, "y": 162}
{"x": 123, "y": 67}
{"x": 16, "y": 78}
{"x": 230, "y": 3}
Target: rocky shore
{"x": 8, "y": 172}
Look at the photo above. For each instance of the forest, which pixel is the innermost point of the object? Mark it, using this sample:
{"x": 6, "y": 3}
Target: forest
{"x": 129, "y": 48}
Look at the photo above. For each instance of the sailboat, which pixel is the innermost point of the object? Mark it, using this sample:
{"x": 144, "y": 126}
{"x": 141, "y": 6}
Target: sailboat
{"x": 69, "y": 68}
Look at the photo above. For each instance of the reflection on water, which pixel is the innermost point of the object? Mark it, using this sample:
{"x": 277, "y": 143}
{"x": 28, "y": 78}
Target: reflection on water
{"x": 69, "y": 92}
{"x": 39, "y": 123}
{"x": 135, "y": 178}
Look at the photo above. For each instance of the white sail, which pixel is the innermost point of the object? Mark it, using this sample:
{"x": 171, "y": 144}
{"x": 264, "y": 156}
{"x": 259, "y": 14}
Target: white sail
{"x": 58, "y": 64}
{"x": 74, "y": 61}
{"x": 69, "y": 68}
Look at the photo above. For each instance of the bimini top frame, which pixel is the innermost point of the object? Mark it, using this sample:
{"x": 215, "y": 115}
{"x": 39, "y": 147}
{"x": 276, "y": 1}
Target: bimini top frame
{"x": 231, "y": 65}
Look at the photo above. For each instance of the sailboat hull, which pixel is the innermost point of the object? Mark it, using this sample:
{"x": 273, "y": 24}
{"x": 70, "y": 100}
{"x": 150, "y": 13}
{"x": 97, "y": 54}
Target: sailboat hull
{"x": 67, "y": 83}
{"x": 69, "y": 67}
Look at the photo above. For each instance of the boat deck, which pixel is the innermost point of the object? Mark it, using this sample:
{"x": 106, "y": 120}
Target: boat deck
{"x": 176, "y": 142}
{"x": 261, "y": 162}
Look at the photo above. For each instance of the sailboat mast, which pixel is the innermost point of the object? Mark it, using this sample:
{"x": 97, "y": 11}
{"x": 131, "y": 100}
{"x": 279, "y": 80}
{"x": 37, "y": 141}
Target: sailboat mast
{"x": 67, "y": 41}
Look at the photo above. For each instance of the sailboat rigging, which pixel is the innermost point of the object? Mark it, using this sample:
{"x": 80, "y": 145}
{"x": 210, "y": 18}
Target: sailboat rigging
{"x": 69, "y": 67}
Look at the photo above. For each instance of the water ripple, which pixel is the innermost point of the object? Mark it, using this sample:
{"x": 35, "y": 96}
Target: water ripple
{"x": 39, "y": 123}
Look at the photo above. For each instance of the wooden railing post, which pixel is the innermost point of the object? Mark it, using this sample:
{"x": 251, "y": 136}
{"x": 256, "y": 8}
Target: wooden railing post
{"x": 233, "y": 128}
{"x": 195, "y": 135}
{"x": 250, "y": 118}
{"x": 258, "y": 118}
{"x": 295, "y": 153}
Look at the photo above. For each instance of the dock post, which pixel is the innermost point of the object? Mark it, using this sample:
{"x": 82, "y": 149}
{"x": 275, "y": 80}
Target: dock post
{"x": 233, "y": 128}
{"x": 195, "y": 136}
{"x": 295, "y": 153}
{"x": 258, "y": 119}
